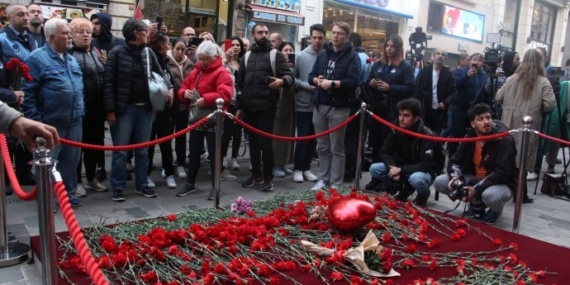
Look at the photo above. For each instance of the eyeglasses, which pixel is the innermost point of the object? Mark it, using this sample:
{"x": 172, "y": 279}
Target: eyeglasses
{"x": 190, "y": 35}
{"x": 441, "y": 53}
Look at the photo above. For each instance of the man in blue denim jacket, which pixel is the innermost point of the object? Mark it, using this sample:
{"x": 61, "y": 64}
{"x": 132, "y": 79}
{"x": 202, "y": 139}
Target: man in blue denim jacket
{"x": 55, "y": 97}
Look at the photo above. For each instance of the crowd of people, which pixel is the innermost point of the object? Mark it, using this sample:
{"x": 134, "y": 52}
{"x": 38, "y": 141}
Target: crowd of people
{"x": 83, "y": 76}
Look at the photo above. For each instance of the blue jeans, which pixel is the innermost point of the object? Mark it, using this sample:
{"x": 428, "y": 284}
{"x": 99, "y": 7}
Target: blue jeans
{"x": 68, "y": 156}
{"x": 131, "y": 127}
{"x": 304, "y": 149}
{"x": 419, "y": 180}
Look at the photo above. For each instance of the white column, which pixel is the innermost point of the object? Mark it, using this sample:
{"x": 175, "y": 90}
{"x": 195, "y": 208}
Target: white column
{"x": 559, "y": 37}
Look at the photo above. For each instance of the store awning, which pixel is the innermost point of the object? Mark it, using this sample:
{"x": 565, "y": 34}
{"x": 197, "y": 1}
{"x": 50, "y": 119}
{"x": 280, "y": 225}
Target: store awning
{"x": 265, "y": 14}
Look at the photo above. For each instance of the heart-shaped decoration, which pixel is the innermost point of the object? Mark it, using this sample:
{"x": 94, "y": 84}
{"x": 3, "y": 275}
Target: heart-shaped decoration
{"x": 349, "y": 214}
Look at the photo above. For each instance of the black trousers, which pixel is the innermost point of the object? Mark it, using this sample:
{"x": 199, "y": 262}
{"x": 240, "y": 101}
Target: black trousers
{"x": 21, "y": 160}
{"x": 351, "y": 148}
{"x": 181, "y": 122}
{"x": 196, "y": 144}
{"x": 232, "y": 131}
{"x": 261, "y": 147}
{"x": 163, "y": 126}
{"x": 377, "y": 134}
{"x": 93, "y": 133}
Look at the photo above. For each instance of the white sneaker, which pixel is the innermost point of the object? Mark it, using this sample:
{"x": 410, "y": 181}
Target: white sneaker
{"x": 204, "y": 155}
{"x": 309, "y": 176}
{"x": 298, "y": 176}
{"x": 531, "y": 176}
{"x": 226, "y": 176}
{"x": 170, "y": 182}
{"x": 163, "y": 174}
{"x": 224, "y": 162}
{"x": 180, "y": 172}
{"x": 95, "y": 185}
{"x": 319, "y": 186}
{"x": 80, "y": 191}
{"x": 235, "y": 165}
{"x": 150, "y": 183}
{"x": 335, "y": 186}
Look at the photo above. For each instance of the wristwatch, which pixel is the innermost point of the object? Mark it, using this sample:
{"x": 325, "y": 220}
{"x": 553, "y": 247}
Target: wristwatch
{"x": 333, "y": 84}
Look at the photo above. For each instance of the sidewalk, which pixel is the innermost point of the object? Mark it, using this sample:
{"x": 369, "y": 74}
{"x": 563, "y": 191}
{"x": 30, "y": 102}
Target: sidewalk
{"x": 546, "y": 219}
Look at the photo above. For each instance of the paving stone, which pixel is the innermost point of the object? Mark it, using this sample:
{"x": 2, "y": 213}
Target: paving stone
{"x": 11, "y": 274}
{"x": 137, "y": 213}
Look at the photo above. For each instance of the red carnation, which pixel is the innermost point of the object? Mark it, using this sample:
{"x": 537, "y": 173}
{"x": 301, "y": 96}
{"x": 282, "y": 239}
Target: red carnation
{"x": 335, "y": 276}
{"x": 408, "y": 264}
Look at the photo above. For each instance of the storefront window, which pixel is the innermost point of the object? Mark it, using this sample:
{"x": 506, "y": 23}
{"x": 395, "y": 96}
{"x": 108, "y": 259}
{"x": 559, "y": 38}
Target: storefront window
{"x": 509, "y": 28}
{"x": 543, "y": 18}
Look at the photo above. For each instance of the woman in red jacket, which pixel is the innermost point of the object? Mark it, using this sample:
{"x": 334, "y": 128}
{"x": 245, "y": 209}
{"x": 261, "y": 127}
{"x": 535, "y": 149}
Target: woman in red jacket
{"x": 211, "y": 81}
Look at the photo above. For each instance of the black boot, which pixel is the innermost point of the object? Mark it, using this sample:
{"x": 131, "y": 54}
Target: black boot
{"x": 421, "y": 200}
{"x": 372, "y": 184}
{"x": 404, "y": 193}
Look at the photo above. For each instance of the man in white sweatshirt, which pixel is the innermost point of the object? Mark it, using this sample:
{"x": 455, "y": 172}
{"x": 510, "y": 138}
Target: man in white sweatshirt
{"x": 304, "y": 98}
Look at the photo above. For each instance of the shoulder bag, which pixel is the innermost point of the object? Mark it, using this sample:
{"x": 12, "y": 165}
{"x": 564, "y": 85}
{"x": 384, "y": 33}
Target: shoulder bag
{"x": 157, "y": 88}
{"x": 196, "y": 113}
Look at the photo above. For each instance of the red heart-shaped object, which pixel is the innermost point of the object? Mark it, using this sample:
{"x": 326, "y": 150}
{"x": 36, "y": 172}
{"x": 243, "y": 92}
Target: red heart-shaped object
{"x": 348, "y": 214}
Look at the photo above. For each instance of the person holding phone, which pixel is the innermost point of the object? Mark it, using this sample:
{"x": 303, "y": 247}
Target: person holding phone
{"x": 470, "y": 82}
{"x": 284, "y": 124}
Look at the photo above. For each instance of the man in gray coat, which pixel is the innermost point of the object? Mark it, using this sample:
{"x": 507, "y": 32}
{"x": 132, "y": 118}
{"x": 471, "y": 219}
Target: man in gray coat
{"x": 304, "y": 97}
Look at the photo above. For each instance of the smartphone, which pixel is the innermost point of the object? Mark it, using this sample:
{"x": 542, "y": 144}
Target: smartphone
{"x": 474, "y": 65}
{"x": 228, "y": 44}
{"x": 158, "y": 22}
{"x": 195, "y": 41}
{"x": 291, "y": 58}
{"x": 269, "y": 80}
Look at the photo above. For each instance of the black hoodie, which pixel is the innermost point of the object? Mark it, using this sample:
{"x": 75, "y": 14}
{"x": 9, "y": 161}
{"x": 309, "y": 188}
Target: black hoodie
{"x": 106, "y": 40}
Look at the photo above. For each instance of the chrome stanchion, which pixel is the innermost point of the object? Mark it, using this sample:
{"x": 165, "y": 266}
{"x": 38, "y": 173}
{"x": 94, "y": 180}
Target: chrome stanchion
{"x": 218, "y": 156}
{"x": 44, "y": 166}
{"x": 14, "y": 252}
{"x": 358, "y": 171}
{"x": 527, "y": 121}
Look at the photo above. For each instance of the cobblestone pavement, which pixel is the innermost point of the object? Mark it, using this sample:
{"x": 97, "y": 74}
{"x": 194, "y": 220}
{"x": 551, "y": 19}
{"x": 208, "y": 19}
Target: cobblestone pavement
{"x": 546, "y": 219}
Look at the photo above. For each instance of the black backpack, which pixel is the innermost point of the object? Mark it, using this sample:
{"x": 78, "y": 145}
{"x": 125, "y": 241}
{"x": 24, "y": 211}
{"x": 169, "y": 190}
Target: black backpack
{"x": 439, "y": 152}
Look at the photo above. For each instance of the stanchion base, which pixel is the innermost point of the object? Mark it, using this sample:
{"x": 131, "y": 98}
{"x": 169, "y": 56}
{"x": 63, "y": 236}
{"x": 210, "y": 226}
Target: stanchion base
{"x": 17, "y": 253}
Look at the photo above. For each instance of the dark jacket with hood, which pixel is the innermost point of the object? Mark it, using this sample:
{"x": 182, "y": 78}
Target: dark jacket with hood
{"x": 92, "y": 69}
{"x": 446, "y": 91}
{"x": 255, "y": 95}
{"x": 498, "y": 157}
{"x": 409, "y": 153}
{"x": 346, "y": 69}
{"x": 401, "y": 81}
{"x": 470, "y": 90}
{"x": 106, "y": 40}
{"x": 125, "y": 77}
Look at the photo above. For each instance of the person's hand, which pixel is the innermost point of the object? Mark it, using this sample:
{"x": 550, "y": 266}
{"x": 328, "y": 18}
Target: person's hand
{"x": 470, "y": 193}
{"x": 396, "y": 178}
{"x": 317, "y": 80}
{"x": 326, "y": 85}
{"x": 290, "y": 65}
{"x": 276, "y": 84}
{"x": 27, "y": 131}
{"x": 111, "y": 118}
{"x": 472, "y": 71}
{"x": 441, "y": 106}
{"x": 449, "y": 187}
{"x": 394, "y": 171}
{"x": 239, "y": 114}
{"x": 188, "y": 95}
{"x": 373, "y": 83}
{"x": 200, "y": 103}
{"x": 382, "y": 86}
{"x": 19, "y": 97}
{"x": 192, "y": 49}
{"x": 170, "y": 97}
{"x": 312, "y": 88}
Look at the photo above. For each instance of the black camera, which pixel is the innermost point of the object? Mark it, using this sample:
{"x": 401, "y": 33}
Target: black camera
{"x": 458, "y": 192}
{"x": 491, "y": 59}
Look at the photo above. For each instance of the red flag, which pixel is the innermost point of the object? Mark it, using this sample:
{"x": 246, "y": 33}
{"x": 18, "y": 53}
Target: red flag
{"x": 138, "y": 12}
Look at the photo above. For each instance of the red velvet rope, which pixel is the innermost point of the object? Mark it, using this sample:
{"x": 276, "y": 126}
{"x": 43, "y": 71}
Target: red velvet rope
{"x": 558, "y": 140}
{"x": 135, "y": 146}
{"x": 305, "y": 138}
{"x": 22, "y": 194}
{"x": 437, "y": 138}
{"x": 87, "y": 259}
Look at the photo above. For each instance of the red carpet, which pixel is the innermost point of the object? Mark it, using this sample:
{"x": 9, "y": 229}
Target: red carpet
{"x": 538, "y": 255}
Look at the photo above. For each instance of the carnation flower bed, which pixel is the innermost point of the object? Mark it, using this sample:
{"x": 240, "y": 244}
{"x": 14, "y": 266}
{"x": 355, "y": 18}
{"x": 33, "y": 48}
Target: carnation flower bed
{"x": 263, "y": 246}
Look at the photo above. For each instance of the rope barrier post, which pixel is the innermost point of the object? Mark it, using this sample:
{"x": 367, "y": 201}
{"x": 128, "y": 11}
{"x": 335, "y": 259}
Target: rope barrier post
{"x": 48, "y": 250}
{"x": 218, "y": 156}
{"x": 527, "y": 122}
{"x": 358, "y": 171}
{"x": 14, "y": 252}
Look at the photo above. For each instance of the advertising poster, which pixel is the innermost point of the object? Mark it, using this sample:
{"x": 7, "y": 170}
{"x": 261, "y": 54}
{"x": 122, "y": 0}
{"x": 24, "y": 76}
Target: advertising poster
{"x": 289, "y": 5}
{"x": 51, "y": 12}
{"x": 462, "y": 23}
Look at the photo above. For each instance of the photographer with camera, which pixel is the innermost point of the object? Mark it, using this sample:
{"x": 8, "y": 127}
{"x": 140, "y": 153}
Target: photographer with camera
{"x": 407, "y": 163}
{"x": 491, "y": 163}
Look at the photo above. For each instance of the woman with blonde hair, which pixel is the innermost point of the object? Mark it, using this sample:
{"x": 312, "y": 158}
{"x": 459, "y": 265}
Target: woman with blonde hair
{"x": 526, "y": 93}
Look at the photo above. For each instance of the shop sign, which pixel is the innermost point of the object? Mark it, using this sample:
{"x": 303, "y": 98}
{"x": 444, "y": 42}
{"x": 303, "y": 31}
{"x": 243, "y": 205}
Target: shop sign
{"x": 386, "y": 6}
{"x": 289, "y": 5}
{"x": 535, "y": 44}
{"x": 277, "y": 18}
{"x": 463, "y": 48}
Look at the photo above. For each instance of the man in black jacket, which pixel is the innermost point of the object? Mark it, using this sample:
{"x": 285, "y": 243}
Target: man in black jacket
{"x": 436, "y": 90}
{"x": 490, "y": 163}
{"x": 407, "y": 161}
{"x": 103, "y": 39}
{"x": 258, "y": 94}
{"x": 336, "y": 74}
